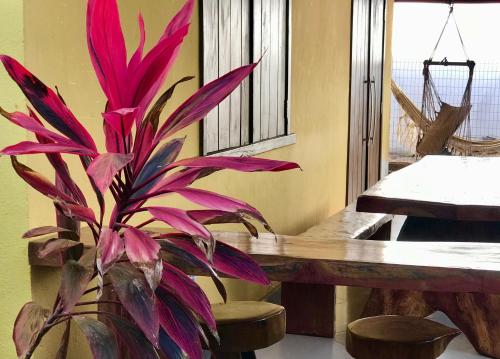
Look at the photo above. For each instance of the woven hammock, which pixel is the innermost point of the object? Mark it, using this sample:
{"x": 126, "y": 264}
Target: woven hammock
{"x": 455, "y": 144}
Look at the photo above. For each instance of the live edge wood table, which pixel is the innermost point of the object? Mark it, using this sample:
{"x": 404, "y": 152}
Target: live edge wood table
{"x": 446, "y": 199}
{"x": 349, "y": 248}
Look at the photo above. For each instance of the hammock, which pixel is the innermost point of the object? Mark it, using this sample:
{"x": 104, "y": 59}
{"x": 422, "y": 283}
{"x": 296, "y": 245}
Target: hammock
{"x": 444, "y": 119}
{"x": 455, "y": 144}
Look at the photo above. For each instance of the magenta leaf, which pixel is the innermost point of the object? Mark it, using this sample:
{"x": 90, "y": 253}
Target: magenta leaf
{"x": 179, "y": 324}
{"x": 120, "y": 120}
{"x": 101, "y": 341}
{"x": 204, "y": 100}
{"x": 48, "y": 104}
{"x": 181, "y": 179}
{"x": 136, "y": 58}
{"x": 75, "y": 211}
{"x": 38, "y": 182}
{"x": 137, "y": 297}
{"x": 151, "y": 72}
{"x": 42, "y": 231}
{"x": 188, "y": 292}
{"x": 34, "y": 125}
{"x": 140, "y": 247}
{"x": 220, "y": 202}
{"x": 109, "y": 249}
{"x": 28, "y": 147}
{"x": 226, "y": 259}
{"x": 182, "y": 18}
{"x": 114, "y": 142}
{"x": 142, "y": 250}
{"x": 132, "y": 339}
{"x": 74, "y": 280}
{"x": 63, "y": 178}
{"x": 244, "y": 164}
{"x": 28, "y": 324}
{"x": 107, "y": 49}
{"x": 179, "y": 220}
{"x": 106, "y": 166}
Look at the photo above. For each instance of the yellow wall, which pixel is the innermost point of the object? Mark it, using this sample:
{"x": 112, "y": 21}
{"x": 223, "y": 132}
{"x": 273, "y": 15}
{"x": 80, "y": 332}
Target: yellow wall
{"x": 291, "y": 201}
{"x": 14, "y": 277}
{"x": 386, "y": 95}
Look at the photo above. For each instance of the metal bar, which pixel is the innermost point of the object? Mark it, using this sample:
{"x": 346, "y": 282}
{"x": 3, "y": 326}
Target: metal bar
{"x": 449, "y": 63}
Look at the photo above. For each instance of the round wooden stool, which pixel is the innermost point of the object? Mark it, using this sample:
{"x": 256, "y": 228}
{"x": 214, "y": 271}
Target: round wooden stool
{"x": 247, "y": 326}
{"x": 397, "y": 337}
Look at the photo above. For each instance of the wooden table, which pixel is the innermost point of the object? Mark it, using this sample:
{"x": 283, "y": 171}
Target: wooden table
{"x": 448, "y": 187}
{"x": 452, "y": 199}
{"x": 332, "y": 253}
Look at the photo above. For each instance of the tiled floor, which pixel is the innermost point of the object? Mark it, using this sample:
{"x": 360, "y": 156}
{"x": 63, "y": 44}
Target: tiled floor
{"x": 302, "y": 347}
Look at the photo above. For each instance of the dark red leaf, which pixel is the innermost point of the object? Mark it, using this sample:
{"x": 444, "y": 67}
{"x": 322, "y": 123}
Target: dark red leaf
{"x": 162, "y": 158}
{"x": 28, "y": 324}
{"x": 179, "y": 220}
{"x": 179, "y": 324}
{"x": 226, "y": 259}
{"x": 110, "y": 248}
{"x": 137, "y": 297}
{"x": 42, "y": 231}
{"x": 188, "y": 292}
{"x": 133, "y": 339}
{"x": 170, "y": 348}
{"x": 192, "y": 260}
{"x": 60, "y": 245}
{"x": 203, "y": 101}
{"x": 100, "y": 339}
{"x": 74, "y": 280}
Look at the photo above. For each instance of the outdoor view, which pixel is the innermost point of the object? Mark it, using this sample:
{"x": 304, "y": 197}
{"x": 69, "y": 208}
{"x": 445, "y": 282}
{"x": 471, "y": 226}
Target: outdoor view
{"x": 416, "y": 31}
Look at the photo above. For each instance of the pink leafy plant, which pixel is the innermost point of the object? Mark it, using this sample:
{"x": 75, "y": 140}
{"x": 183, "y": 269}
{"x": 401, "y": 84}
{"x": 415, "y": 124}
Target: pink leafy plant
{"x": 165, "y": 311}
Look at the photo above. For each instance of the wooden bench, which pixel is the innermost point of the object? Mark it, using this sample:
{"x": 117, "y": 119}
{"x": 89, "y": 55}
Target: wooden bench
{"x": 331, "y": 254}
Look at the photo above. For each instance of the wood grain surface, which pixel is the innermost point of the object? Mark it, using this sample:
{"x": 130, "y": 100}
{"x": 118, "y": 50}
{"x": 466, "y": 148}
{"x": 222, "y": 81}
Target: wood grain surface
{"x": 448, "y": 187}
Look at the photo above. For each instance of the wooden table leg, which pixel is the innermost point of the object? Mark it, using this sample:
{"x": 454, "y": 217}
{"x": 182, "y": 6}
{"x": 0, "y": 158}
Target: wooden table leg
{"x": 310, "y": 309}
{"x": 475, "y": 314}
{"x": 397, "y": 302}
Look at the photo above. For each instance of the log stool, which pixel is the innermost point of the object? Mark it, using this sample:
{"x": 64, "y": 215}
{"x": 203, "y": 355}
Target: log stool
{"x": 397, "y": 337}
{"x": 247, "y": 326}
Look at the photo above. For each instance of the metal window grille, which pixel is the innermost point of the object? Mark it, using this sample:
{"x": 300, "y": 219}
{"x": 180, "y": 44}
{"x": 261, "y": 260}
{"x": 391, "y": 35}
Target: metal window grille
{"x": 450, "y": 82}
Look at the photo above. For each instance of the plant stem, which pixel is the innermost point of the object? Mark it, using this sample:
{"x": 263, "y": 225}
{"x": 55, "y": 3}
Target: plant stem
{"x": 49, "y": 323}
{"x": 145, "y": 223}
{"x": 98, "y": 302}
{"x": 93, "y": 289}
